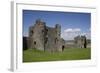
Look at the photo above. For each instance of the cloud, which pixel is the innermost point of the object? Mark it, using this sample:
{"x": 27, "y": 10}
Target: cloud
{"x": 72, "y": 30}
{"x": 87, "y": 34}
{"x": 77, "y": 30}
{"x": 69, "y": 34}
{"x": 68, "y": 30}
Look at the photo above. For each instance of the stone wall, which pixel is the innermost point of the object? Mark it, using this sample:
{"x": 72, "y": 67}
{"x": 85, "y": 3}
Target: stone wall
{"x": 80, "y": 41}
{"x": 45, "y": 38}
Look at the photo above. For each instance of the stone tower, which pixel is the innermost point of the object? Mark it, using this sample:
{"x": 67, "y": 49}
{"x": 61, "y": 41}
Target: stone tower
{"x": 45, "y": 38}
{"x": 80, "y": 41}
{"x": 58, "y": 40}
{"x": 36, "y": 35}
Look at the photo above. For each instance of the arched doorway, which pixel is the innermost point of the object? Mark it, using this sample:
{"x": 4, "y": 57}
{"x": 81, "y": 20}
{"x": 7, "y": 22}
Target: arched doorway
{"x": 63, "y": 47}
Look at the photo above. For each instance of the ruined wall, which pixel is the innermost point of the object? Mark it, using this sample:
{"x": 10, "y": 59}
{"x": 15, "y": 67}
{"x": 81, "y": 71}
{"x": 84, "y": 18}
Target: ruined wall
{"x": 45, "y": 38}
{"x": 37, "y": 37}
{"x": 54, "y": 40}
{"x": 50, "y": 37}
{"x": 59, "y": 42}
{"x": 80, "y": 41}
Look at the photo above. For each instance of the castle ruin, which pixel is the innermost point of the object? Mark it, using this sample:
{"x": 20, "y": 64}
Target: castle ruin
{"x": 80, "y": 41}
{"x": 45, "y": 38}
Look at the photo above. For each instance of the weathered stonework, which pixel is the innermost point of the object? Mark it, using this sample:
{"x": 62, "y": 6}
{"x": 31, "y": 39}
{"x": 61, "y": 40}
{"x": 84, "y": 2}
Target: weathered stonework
{"x": 45, "y": 38}
{"x": 42, "y": 37}
{"x": 80, "y": 41}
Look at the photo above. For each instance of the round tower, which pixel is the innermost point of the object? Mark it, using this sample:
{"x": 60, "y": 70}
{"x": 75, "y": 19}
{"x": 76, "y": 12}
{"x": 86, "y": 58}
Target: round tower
{"x": 58, "y": 30}
{"x": 39, "y": 31}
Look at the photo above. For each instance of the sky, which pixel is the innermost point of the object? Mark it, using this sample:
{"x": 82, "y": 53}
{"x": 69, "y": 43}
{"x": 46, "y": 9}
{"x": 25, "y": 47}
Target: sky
{"x": 72, "y": 23}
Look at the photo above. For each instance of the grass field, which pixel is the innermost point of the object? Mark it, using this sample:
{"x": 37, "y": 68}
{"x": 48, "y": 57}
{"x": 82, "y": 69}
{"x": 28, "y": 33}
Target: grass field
{"x": 67, "y": 54}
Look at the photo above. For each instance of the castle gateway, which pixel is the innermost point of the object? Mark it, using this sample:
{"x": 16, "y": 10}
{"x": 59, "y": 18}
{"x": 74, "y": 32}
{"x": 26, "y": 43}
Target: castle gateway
{"x": 42, "y": 37}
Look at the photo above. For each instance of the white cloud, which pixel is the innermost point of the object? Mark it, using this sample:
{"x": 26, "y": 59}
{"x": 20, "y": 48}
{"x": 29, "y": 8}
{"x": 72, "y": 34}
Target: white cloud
{"x": 77, "y": 30}
{"x": 88, "y": 35}
{"x": 72, "y": 30}
{"x": 68, "y": 30}
{"x": 69, "y": 34}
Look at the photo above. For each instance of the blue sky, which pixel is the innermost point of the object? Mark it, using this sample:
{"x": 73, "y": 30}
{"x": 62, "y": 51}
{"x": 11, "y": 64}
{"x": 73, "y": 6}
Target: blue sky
{"x": 72, "y": 23}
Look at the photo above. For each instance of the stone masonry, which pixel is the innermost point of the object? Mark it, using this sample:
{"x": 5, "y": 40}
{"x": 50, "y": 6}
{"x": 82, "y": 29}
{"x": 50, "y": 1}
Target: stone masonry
{"x": 45, "y": 38}
{"x": 80, "y": 41}
{"x": 42, "y": 37}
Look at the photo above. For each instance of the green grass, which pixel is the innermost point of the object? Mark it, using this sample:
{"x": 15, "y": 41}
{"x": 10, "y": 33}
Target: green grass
{"x": 68, "y": 54}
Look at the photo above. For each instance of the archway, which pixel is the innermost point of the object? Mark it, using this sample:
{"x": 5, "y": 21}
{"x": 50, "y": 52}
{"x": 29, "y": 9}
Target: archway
{"x": 63, "y": 47}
